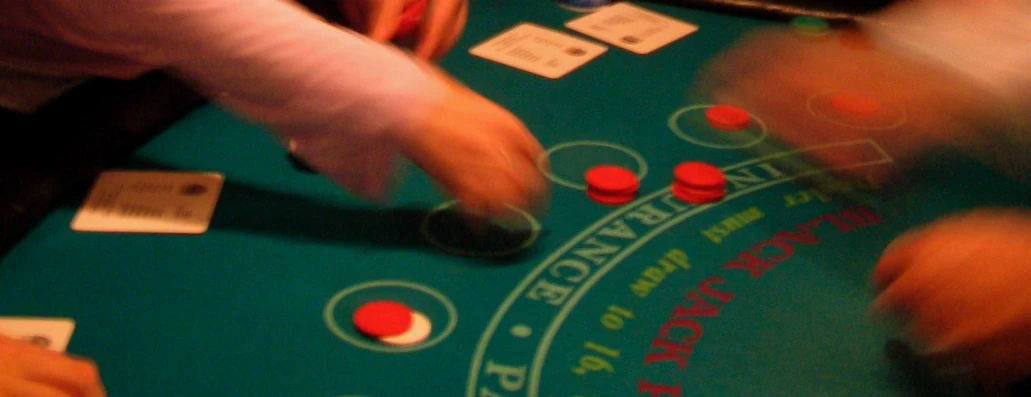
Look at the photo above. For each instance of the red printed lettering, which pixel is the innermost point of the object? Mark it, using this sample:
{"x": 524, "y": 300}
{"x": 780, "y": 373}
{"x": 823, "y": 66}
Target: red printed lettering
{"x": 663, "y": 351}
{"x": 654, "y": 390}
{"x": 706, "y": 288}
{"x": 746, "y": 261}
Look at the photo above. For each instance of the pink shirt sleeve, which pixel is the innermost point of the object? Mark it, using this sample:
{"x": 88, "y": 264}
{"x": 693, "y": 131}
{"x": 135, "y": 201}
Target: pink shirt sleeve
{"x": 988, "y": 41}
{"x": 334, "y": 95}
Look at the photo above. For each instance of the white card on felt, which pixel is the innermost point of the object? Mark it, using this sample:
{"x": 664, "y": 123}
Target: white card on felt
{"x": 538, "y": 50}
{"x": 51, "y": 333}
{"x": 631, "y": 27}
{"x": 150, "y": 202}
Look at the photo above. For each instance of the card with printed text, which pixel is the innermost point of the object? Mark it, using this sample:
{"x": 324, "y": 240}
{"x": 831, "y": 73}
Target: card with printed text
{"x": 631, "y": 27}
{"x": 538, "y": 50}
{"x": 150, "y": 202}
{"x": 50, "y": 333}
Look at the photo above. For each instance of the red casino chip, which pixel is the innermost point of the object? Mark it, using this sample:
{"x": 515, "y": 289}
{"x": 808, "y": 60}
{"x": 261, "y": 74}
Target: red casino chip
{"x": 855, "y": 104}
{"x": 383, "y": 318}
{"x": 699, "y": 175}
{"x": 727, "y": 118}
{"x": 698, "y": 183}
{"x": 698, "y": 196}
{"x": 611, "y": 199}
{"x": 611, "y": 179}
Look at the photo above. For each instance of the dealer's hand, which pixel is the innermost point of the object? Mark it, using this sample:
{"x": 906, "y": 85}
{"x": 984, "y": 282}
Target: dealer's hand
{"x": 480, "y": 153}
{"x": 774, "y": 73}
{"x": 964, "y": 284}
{"x": 27, "y": 370}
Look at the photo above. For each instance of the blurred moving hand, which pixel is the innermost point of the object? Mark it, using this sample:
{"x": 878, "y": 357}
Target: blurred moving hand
{"x": 480, "y": 153}
{"x": 441, "y": 25}
{"x": 964, "y": 285}
{"x": 32, "y": 371}
{"x": 774, "y": 73}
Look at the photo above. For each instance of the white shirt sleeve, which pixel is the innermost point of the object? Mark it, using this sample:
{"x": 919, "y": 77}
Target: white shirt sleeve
{"x": 987, "y": 41}
{"x": 337, "y": 96}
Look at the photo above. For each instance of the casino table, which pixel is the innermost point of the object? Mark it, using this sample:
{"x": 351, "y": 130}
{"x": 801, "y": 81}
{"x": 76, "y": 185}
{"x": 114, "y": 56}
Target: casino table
{"x": 764, "y": 293}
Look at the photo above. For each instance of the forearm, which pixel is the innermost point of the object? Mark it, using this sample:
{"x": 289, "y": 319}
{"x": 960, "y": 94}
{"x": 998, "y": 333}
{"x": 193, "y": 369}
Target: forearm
{"x": 988, "y": 42}
{"x": 269, "y": 59}
{"x": 985, "y": 44}
{"x": 339, "y": 96}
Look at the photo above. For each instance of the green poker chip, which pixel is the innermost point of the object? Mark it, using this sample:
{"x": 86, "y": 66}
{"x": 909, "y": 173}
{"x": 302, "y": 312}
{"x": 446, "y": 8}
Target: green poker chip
{"x": 810, "y": 26}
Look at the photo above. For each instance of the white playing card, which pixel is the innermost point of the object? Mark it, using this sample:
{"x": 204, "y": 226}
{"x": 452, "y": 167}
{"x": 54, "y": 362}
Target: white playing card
{"x": 631, "y": 27}
{"x": 51, "y": 333}
{"x": 150, "y": 202}
{"x": 538, "y": 50}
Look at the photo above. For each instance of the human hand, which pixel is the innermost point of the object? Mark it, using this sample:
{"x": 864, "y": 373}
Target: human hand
{"x": 480, "y": 153}
{"x": 775, "y": 74}
{"x": 441, "y": 25}
{"x": 32, "y": 371}
{"x": 964, "y": 286}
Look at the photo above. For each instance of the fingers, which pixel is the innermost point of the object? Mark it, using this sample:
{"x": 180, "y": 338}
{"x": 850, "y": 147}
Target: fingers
{"x": 537, "y": 186}
{"x": 898, "y": 293}
{"x": 384, "y": 20}
{"x": 961, "y": 285}
{"x": 79, "y": 377}
{"x": 444, "y": 22}
{"x": 491, "y": 199}
{"x": 456, "y": 32}
{"x": 40, "y": 372}
{"x": 481, "y": 155}
{"x": 16, "y": 387}
{"x": 441, "y": 26}
{"x": 514, "y": 181}
{"x": 894, "y": 261}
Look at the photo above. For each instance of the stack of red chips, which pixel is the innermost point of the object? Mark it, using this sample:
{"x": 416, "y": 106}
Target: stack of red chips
{"x": 611, "y": 185}
{"x": 698, "y": 183}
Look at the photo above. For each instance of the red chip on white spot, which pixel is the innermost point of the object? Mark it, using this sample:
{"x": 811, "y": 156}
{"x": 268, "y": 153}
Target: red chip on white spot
{"x": 727, "y": 118}
{"x": 419, "y": 332}
{"x": 383, "y": 318}
{"x": 699, "y": 175}
{"x": 855, "y": 104}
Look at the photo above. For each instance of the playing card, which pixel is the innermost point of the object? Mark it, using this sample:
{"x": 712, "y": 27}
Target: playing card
{"x": 631, "y": 27}
{"x": 51, "y": 333}
{"x": 538, "y": 50}
{"x": 150, "y": 202}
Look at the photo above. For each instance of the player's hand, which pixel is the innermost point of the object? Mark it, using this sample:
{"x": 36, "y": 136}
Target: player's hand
{"x": 480, "y": 153}
{"x": 441, "y": 25}
{"x": 964, "y": 284}
{"x": 774, "y": 73}
{"x": 27, "y": 370}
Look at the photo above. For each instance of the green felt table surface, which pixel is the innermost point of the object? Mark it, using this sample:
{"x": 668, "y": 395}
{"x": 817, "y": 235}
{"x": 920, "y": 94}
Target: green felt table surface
{"x": 762, "y": 294}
